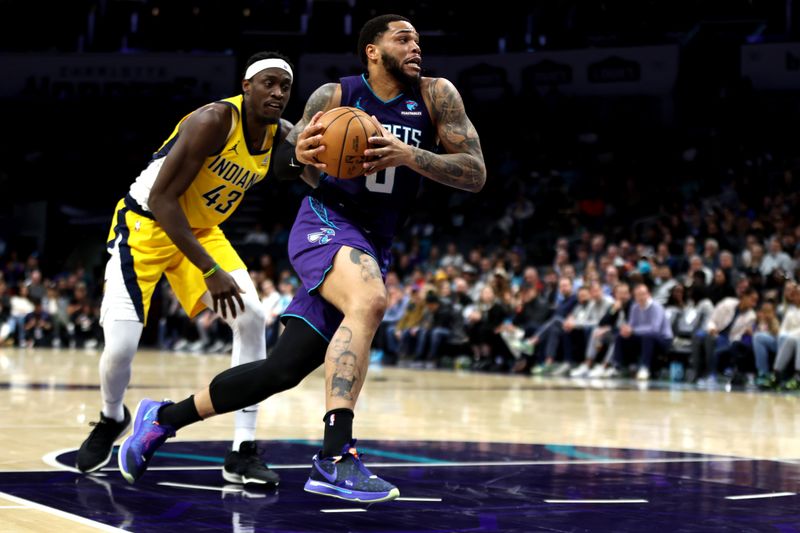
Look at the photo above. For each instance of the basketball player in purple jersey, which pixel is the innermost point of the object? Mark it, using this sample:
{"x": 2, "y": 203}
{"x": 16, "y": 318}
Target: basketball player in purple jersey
{"x": 340, "y": 248}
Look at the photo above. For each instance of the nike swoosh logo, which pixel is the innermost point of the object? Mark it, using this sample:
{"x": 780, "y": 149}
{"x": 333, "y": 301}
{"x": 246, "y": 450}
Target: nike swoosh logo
{"x": 339, "y": 489}
{"x": 150, "y": 411}
{"x": 329, "y": 477}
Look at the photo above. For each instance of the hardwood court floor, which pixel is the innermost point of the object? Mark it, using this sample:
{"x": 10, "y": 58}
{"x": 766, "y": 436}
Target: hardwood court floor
{"x": 48, "y": 397}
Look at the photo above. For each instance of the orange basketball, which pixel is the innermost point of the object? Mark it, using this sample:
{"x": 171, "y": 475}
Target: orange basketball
{"x": 346, "y": 135}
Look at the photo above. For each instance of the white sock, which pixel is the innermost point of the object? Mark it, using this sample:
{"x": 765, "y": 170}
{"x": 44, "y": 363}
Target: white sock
{"x": 122, "y": 340}
{"x": 249, "y": 344}
{"x": 245, "y": 427}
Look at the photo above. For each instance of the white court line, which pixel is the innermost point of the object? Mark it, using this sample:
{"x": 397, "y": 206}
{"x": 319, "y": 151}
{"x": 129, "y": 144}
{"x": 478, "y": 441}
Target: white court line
{"x": 759, "y": 496}
{"x": 201, "y": 487}
{"x": 15, "y": 507}
{"x": 480, "y": 463}
{"x": 172, "y": 468}
{"x": 343, "y": 510}
{"x": 596, "y": 501}
{"x": 60, "y": 514}
{"x": 402, "y": 499}
{"x": 50, "y": 460}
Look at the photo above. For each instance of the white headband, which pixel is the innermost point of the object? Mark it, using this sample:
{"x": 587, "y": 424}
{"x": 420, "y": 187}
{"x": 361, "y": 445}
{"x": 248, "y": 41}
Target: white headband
{"x": 272, "y": 62}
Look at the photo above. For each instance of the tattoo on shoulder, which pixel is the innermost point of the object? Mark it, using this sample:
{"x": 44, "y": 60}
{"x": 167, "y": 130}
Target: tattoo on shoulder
{"x": 457, "y": 129}
{"x": 431, "y": 90}
{"x": 319, "y": 100}
{"x": 369, "y": 268}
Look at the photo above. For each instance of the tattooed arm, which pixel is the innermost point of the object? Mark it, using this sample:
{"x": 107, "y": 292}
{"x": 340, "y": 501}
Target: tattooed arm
{"x": 301, "y": 144}
{"x": 324, "y": 98}
{"x": 307, "y": 133}
{"x": 462, "y": 166}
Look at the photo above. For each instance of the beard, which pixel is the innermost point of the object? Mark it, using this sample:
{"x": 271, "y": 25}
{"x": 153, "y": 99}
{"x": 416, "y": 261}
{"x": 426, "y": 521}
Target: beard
{"x": 394, "y": 68}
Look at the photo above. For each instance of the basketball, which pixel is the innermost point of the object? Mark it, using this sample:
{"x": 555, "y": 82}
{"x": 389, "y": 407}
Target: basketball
{"x": 346, "y": 134}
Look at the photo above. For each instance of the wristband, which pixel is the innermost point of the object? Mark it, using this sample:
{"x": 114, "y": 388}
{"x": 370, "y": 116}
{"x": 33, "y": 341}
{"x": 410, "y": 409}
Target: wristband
{"x": 211, "y": 271}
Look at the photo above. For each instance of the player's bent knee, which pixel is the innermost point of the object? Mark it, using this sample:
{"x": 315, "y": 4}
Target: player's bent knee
{"x": 251, "y": 383}
{"x": 253, "y": 315}
{"x": 239, "y": 387}
{"x": 376, "y": 307}
{"x": 369, "y": 308}
{"x": 121, "y": 343}
{"x": 285, "y": 379}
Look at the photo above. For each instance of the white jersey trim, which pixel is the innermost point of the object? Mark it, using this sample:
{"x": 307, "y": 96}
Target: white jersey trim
{"x": 140, "y": 188}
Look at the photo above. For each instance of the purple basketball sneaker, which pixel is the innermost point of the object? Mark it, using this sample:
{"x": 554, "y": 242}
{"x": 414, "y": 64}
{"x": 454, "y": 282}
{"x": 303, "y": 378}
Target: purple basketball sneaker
{"x": 136, "y": 451}
{"x": 347, "y": 478}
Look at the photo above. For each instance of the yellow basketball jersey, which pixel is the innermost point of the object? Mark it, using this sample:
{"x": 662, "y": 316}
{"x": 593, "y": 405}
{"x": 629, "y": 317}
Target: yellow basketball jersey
{"x": 218, "y": 189}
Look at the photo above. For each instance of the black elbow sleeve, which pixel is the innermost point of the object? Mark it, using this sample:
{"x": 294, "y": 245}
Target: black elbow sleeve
{"x": 283, "y": 162}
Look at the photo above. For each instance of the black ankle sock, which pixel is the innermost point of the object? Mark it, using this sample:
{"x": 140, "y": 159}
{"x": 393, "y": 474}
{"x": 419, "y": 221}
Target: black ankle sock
{"x": 179, "y": 414}
{"x": 338, "y": 431}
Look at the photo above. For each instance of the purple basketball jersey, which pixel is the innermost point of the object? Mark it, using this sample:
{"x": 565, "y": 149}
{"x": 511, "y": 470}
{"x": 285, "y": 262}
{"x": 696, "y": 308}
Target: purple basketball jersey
{"x": 363, "y": 213}
{"x": 381, "y": 202}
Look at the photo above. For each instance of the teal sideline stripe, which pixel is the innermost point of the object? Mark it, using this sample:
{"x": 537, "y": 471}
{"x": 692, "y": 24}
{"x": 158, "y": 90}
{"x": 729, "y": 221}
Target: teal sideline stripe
{"x": 378, "y": 453}
{"x": 312, "y": 443}
{"x": 203, "y": 458}
{"x": 570, "y": 451}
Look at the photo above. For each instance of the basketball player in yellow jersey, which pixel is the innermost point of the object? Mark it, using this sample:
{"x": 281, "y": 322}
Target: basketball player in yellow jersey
{"x": 168, "y": 223}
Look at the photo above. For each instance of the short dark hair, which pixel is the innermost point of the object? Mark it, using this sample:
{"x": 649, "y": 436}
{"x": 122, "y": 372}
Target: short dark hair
{"x": 372, "y": 30}
{"x": 749, "y": 291}
{"x": 265, "y": 55}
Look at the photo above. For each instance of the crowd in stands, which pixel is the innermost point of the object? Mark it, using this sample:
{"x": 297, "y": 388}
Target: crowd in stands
{"x": 711, "y": 298}
{"x": 685, "y": 308}
{"x": 40, "y": 312}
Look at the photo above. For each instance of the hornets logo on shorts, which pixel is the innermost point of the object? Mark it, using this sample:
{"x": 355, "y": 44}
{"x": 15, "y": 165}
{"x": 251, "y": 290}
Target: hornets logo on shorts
{"x": 323, "y": 236}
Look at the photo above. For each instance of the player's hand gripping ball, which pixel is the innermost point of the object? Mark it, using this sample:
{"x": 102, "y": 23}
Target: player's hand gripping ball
{"x": 346, "y": 135}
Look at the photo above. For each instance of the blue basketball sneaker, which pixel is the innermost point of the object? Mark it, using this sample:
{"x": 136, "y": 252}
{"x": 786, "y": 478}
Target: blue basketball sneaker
{"x": 347, "y": 478}
{"x": 136, "y": 451}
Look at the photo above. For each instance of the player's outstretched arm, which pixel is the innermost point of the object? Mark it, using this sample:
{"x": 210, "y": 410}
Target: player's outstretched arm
{"x": 203, "y": 133}
{"x": 462, "y": 166}
{"x": 200, "y": 135}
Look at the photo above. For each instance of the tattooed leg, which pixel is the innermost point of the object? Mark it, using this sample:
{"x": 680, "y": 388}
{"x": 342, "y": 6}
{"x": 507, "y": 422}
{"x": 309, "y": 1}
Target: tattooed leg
{"x": 345, "y": 369}
{"x": 355, "y": 287}
{"x": 369, "y": 268}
